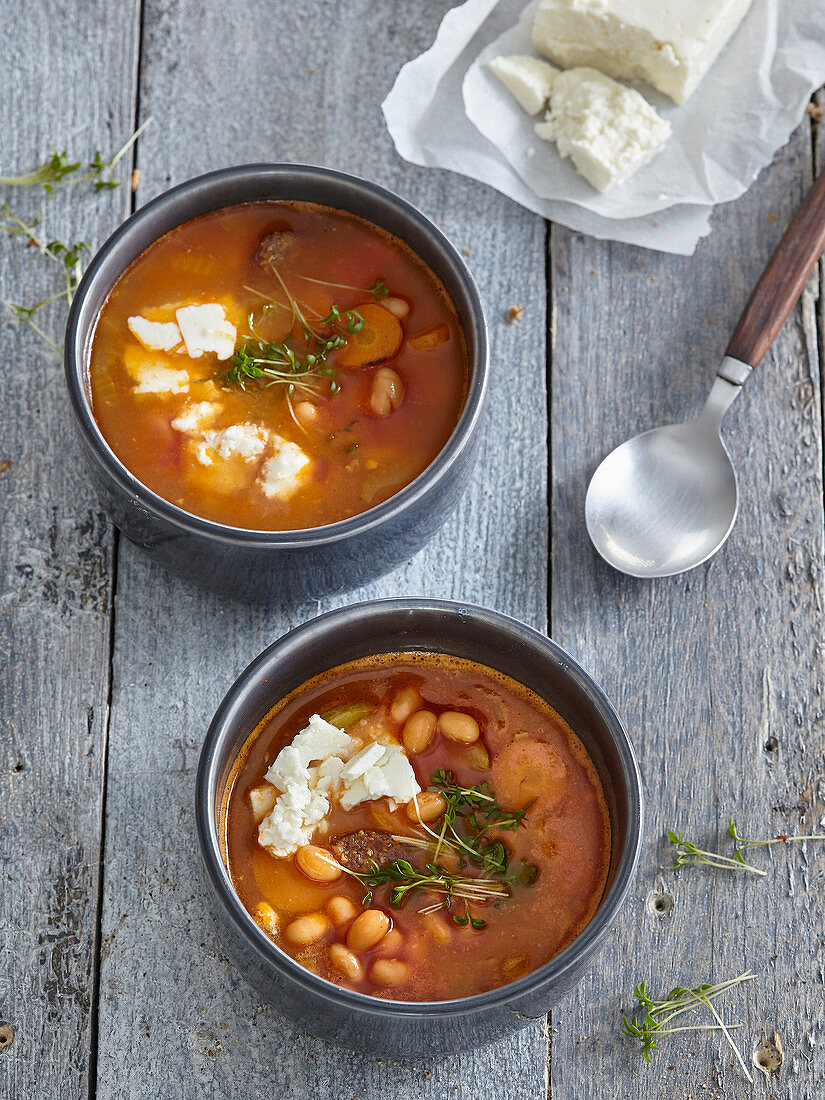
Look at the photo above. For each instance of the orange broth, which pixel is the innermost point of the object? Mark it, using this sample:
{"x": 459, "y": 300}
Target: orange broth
{"x": 361, "y": 449}
{"x": 534, "y": 759}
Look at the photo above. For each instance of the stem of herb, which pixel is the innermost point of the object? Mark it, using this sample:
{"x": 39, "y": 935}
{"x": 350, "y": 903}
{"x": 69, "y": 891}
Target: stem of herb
{"x": 689, "y": 853}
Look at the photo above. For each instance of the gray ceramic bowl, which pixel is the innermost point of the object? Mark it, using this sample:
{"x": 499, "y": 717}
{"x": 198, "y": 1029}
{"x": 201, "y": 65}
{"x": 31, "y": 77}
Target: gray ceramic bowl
{"x": 398, "y": 1028}
{"x": 291, "y": 565}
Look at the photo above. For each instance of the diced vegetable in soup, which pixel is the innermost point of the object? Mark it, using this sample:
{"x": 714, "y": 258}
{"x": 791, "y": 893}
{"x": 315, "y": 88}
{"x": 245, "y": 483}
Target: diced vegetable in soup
{"x": 277, "y": 366}
{"x": 417, "y": 827}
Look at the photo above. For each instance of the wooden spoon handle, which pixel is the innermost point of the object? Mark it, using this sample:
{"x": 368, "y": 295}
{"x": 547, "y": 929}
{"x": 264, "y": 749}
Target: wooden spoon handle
{"x": 781, "y": 283}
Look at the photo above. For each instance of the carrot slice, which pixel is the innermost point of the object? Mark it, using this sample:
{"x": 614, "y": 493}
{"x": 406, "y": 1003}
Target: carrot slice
{"x": 529, "y": 771}
{"x": 378, "y": 339}
{"x": 430, "y": 339}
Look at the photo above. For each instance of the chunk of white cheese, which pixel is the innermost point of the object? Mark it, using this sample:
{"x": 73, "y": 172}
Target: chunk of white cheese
{"x": 206, "y": 329}
{"x": 153, "y": 377}
{"x": 371, "y": 774}
{"x": 155, "y": 335}
{"x": 317, "y": 741}
{"x": 246, "y": 441}
{"x": 608, "y": 131}
{"x": 669, "y": 43}
{"x": 324, "y": 764}
{"x": 196, "y": 417}
{"x": 305, "y": 792}
{"x": 528, "y": 79}
{"x": 279, "y": 474}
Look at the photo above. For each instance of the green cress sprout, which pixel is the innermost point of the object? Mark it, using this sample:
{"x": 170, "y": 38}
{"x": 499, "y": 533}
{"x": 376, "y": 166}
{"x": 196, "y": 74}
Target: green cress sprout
{"x": 476, "y": 810}
{"x": 280, "y": 364}
{"x": 377, "y": 290}
{"x": 689, "y": 853}
{"x": 658, "y": 1015}
{"x": 403, "y": 878}
{"x": 56, "y": 169}
{"x": 67, "y": 257}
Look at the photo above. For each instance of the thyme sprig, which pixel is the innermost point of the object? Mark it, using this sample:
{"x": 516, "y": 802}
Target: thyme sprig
{"x": 57, "y": 168}
{"x": 658, "y": 1015}
{"x": 689, "y": 853}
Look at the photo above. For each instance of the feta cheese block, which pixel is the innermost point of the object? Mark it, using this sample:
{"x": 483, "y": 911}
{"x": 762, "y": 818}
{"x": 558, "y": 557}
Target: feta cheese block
{"x": 280, "y": 473}
{"x": 154, "y": 335}
{"x": 608, "y": 131}
{"x": 528, "y": 79}
{"x": 669, "y": 43}
{"x": 206, "y": 329}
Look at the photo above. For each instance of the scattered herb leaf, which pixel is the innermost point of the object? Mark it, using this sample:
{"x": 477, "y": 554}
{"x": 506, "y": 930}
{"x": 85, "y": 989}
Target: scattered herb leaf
{"x": 689, "y": 853}
{"x": 659, "y": 1013}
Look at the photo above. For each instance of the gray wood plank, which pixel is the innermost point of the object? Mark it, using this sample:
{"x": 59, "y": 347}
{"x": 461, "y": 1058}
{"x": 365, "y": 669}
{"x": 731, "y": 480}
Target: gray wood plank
{"x": 718, "y": 673}
{"x": 55, "y": 560}
{"x": 172, "y": 1010}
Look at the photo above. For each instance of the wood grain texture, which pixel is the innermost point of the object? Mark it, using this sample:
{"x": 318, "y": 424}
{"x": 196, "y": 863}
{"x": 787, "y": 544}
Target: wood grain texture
{"x": 172, "y": 1010}
{"x": 75, "y": 65}
{"x": 781, "y": 283}
{"x": 718, "y": 673}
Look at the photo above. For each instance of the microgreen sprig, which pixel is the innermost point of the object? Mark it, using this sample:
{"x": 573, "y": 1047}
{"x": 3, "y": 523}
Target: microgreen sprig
{"x": 403, "y": 878}
{"x": 69, "y": 258}
{"x": 658, "y": 1014}
{"x": 57, "y": 168}
{"x": 377, "y": 290}
{"x": 478, "y": 811}
{"x": 280, "y": 364}
{"x": 689, "y": 853}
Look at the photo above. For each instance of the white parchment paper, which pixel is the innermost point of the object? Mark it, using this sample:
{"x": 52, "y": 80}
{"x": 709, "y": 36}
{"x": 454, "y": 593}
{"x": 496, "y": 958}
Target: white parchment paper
{"x": 447, "y": 110}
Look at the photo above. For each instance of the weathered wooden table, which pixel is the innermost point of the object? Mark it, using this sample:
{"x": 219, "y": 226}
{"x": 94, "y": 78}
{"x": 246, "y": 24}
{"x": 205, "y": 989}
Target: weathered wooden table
{"x": 111, "y": 977}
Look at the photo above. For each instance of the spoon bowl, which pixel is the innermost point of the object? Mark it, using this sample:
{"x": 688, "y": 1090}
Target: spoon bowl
{"x": 663, "y": 502}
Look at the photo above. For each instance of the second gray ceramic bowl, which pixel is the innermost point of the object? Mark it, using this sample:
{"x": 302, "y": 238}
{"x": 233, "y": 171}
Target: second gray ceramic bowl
{"x": 273, "y": 566}
{"x": 404, "y": 1029}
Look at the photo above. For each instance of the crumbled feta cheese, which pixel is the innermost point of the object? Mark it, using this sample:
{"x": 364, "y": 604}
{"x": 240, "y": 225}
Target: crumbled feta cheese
{"x": 304, "y": 801}
{"x": 279, "y": 474}
{"x": 154, "y": 377}
{"x": 528, "y": 79}
{"x": 262, "y": 799}
{"x": 195, "y": 417}
{"x": 608, "y": 131}
{"x": 670, "y": 43}
{"x": 344, "y": 770}
{"x": 155, "y": 335}
{"x": 389, "y": 774}
{"x": 206, "y": 329}
{"x": 246, "y": 441}
{"x": 317, "y": 741}
{"x": 362, "y": 762}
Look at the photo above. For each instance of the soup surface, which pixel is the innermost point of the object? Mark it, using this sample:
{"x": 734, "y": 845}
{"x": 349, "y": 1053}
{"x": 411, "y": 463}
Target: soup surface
{"x": 483, "y": 876}
{"x": 277, "y": 366}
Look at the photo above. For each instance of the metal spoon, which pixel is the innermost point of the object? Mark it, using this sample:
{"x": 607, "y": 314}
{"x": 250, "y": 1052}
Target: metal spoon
{"x": 666, "y": 500}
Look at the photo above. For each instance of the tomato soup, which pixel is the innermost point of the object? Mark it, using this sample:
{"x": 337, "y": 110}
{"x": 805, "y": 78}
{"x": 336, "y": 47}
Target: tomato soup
{"x": 416, "y": 827}
{"x": 277, "y": 366}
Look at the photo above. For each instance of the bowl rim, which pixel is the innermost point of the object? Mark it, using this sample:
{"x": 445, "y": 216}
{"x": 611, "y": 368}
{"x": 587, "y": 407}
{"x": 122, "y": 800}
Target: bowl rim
{"x": 207, "y": 783}
{"x": 80, "y": 328}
